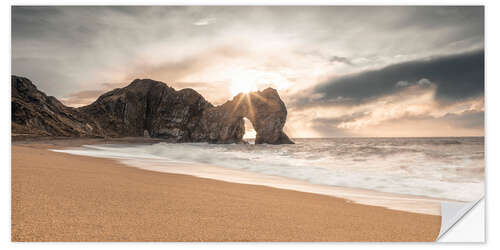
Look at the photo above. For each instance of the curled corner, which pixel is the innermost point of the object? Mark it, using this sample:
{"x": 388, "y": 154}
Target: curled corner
{"x": 452, "y": 212}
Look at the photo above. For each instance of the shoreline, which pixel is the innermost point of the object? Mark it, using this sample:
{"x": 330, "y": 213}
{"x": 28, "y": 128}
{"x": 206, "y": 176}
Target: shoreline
{"x": 181, "y": 207}
{"x": 395, "y": 201}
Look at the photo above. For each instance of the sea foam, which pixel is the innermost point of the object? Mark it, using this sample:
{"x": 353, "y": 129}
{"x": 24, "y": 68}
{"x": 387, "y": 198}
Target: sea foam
{"x": 442, "y": 168}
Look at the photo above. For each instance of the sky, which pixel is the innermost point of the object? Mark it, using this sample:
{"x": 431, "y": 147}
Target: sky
{"x": 341, "y": 71}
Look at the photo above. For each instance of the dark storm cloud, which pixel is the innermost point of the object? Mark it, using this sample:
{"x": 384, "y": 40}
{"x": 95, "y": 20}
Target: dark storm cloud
{"x": 457, "y": 77}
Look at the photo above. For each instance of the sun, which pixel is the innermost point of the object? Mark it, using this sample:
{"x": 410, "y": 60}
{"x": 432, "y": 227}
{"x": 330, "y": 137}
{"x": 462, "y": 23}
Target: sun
{"x": 242, "y": 86}
{"x": 248, "y": 80}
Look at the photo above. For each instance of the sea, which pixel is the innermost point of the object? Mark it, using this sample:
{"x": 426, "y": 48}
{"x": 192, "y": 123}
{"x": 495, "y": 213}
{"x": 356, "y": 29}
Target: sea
{"x": 447, "y": 168}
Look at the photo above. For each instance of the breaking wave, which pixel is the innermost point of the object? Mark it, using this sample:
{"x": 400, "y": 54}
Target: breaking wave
{"x": 445, "y": 168}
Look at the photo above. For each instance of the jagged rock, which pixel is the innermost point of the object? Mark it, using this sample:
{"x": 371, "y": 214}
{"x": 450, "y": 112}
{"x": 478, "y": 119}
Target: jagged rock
{"x": 150, "y": 108}
{"x": 147, "y": 105}
{"x": 36, "y": 114}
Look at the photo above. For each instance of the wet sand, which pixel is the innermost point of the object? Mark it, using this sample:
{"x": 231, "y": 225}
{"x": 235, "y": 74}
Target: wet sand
{"x": 62, "y": 197}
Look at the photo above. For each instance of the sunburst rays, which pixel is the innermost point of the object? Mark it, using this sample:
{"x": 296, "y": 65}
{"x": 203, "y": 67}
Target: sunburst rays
{"x": 249, "y": 105}
{"x": 251, "y": 111}
{"x": 261, "y": 98}
{"x": 238, "y": 102}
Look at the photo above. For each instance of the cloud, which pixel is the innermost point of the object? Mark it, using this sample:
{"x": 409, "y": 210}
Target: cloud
{"x": 457, "y": 77}
{"x": 45, "y": 73}
{"x": 327, "y": 61}
{"x": 328, "y": 127}
{"x": 100, "y": 44}
{"x": 467, "y": 119}
{"x": 340, "y": 59}
{"x": 85, "y": 97}
{"x": 81, "y": 98}
{"x": 175, "y": 70}
{"x": 402, "y": 84}
{"x": 466, "y": 123}
{"x": 413, "y": 111}
{"x": 26, "y": 20}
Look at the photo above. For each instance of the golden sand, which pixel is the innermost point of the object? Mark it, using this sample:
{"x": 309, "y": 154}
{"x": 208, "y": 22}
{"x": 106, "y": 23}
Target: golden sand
{"x": 62, "y": 197}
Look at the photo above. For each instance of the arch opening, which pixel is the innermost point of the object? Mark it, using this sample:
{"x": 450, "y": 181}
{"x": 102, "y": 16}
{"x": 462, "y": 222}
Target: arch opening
{"x": 250, "y": 132}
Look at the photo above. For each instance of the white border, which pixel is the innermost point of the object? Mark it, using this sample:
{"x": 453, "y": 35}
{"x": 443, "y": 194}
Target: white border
{"x": 492, "y": 92}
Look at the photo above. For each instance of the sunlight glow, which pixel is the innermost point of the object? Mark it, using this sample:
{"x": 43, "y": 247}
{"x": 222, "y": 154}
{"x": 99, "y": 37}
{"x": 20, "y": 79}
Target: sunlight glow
{"x": 248, "y": 80}
{"x": 242, "y": 86}
{"x": 250, "y": 132}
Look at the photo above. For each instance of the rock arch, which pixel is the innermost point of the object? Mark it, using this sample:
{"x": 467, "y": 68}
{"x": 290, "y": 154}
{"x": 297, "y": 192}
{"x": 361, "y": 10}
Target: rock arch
{"x": 265, "y": 110}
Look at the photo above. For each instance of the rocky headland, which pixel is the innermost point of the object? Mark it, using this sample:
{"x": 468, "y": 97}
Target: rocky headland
{"x": 149, "y": 108}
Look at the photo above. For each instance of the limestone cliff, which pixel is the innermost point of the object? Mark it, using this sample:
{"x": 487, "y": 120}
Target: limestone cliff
{"x": 148, "y": 107}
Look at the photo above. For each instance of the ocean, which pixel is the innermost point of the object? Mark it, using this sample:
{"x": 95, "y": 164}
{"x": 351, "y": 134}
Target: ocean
{"x": 450, "y": 168}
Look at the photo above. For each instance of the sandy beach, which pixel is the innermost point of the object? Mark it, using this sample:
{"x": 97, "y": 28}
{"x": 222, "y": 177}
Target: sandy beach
{"x": 62, "y": 197}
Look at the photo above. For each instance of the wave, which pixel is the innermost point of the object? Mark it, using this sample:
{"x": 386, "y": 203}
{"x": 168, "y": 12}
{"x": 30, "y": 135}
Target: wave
{"x": 441, "y": 170}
